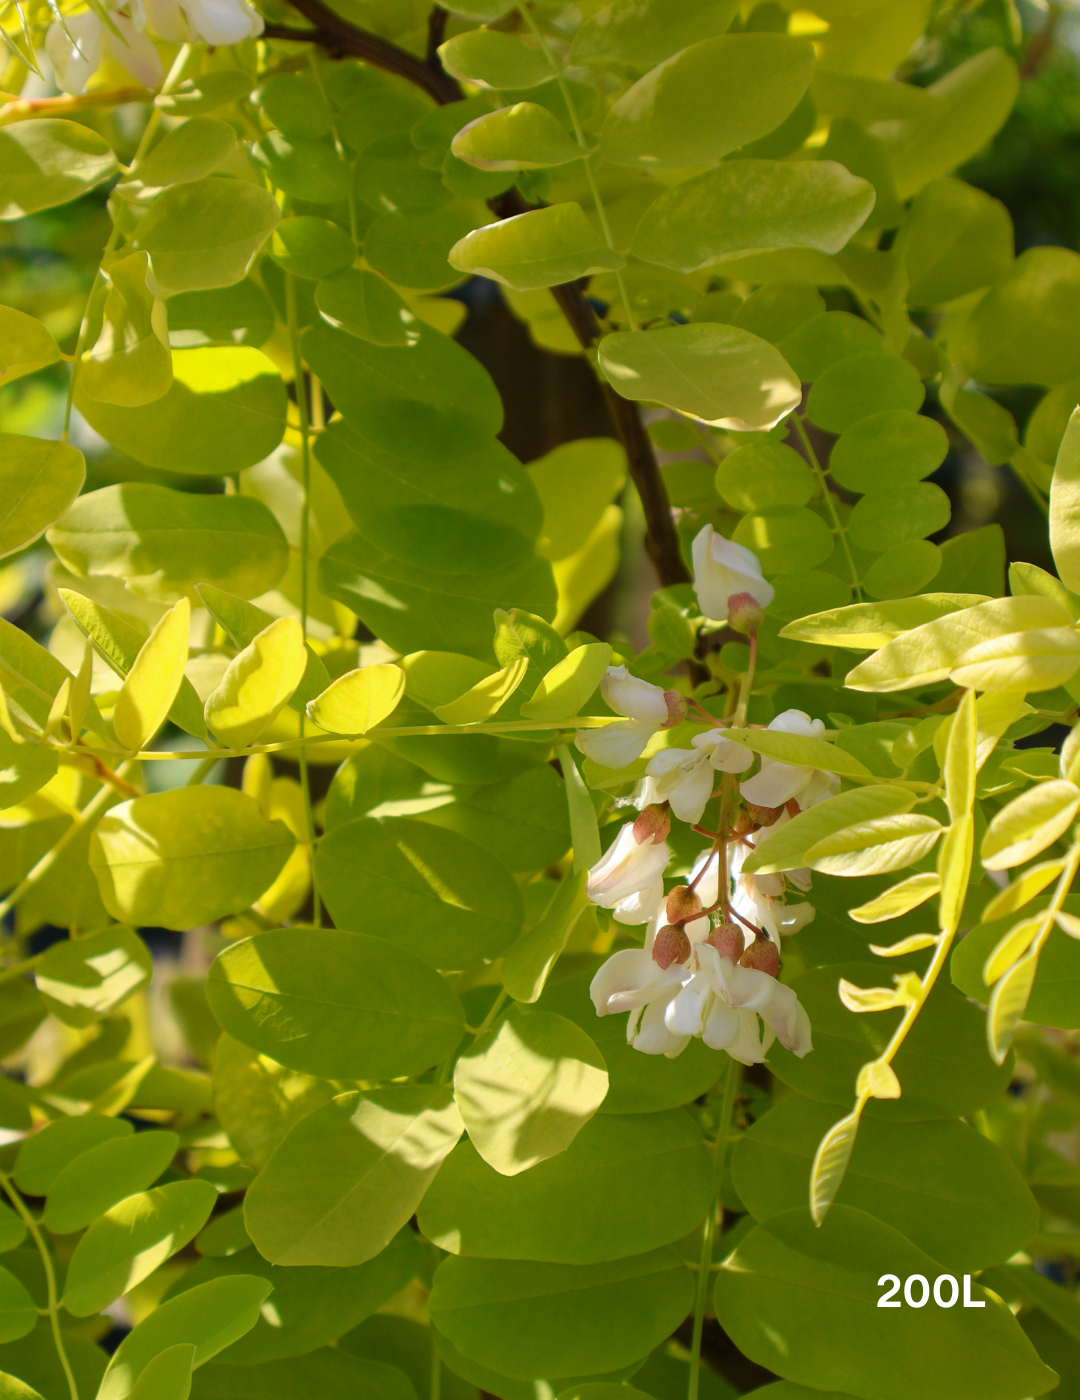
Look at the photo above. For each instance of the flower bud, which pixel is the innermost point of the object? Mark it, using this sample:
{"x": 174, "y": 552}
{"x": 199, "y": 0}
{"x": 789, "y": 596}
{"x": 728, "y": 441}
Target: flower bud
{"x": 744, "y": 613}
{"x": 791, "y": 807}
{"x": 727, "y": 939}
{"x": 762, "y": 956}
{"x": 683, "y": 903}
{"x": 744, "y": 825}
{"x": 764, "y": 816}
{"x": 670, "y": 945}
{"x": 676, "y": 707}
{"x": 653, "y": 824}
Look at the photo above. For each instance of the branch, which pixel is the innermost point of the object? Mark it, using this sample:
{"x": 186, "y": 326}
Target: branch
{"x": 337, "y": 36}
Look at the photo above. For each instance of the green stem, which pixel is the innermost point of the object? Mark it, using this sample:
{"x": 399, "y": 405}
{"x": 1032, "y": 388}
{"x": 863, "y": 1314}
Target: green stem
{"x": 173, "y": 77}
{"x": 830, "y": 502}
{"x": 712, "y": 1220}
{"x": 50, "y": 1279}
{"x": 586, "y": 159}
{"x": 202, "y": 769}
{"x": 488, "y": 1021}
{"x": 305, "y": 551}
{"x": 102, "y": 799}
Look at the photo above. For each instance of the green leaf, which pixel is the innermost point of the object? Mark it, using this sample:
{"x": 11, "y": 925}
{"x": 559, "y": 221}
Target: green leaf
{"x": 209, "y": 1318}
{"x": 530, "y": 958}
{"x": 224, "y": 412}
{"x": 890, "y": 449}
{"x": 358, "y": 700}
{"x": 482, "y": 516}
{"x": 206, "y": 93}
{"x": 941, "y": 1184}
{"x": 120, "y": 643}
{"x": 569, "y": 684}
{"x": 1052, "y": 996}
{"x": 824, "y": 1324}
{"x": 526, "y": 1319}
{"x": 186, "y": 857}
{"x": 525, "y": 136}
{"x": 1024, "y": 328}
{"x": 18, "y": 1314}
{"x": 753, "y": 204}
{"x": 576, "y": 483}
{"x": 186, "y": 153}
{"x": 865, "y": 625}
{"x": 168, "y": 1375}
{"x": 312, "y": 1307}
{"x": 258, "y": 683}
{"x": 103, "y": 1175}
{"x": 955, "y": 239}
{"x": 524, "y": 1091}
{"x": 411, "y": 608}
{"x": 1065, "y": 506}
{"x": 295, "y": 104}
{"x": 670, "y": 118}
{"x": 351, "y": 1174}
{"x": 308, "y": 170}
{"x": 825, "y": 340}
{"x": 491, "y": 59}
{"x": 163, "y": 542}
{"x": 84, "y": 979}
{"x": 25, "y": 345}
{"x": 312, "y": 248}
{"x": 242, "y": 622}
{"x": 903, "y": 570}
{"x": 803, "y": 752}
{"x": 26, "y": 768}
{"x": 38, "y": 482}
{"x": 541, "y": 248}
{"x": 948, "y": 1028}
{"x": 577, "y": 1207}
{"x": 637, "y": 1083}
{"x": 972, "y": 104}
{"x": 720, "y": 374}
{"x": 257, "y": 1100}
{"x": 855, "y": 388}
{"x": 206, "y": 233}
{"x": 153, "y": 681}
{"x": 46, "y": 163}
{"x": 644, "y": 32}
{"x": 341, "y": 1005}
{"x": 365, "y": 305}
{"x": 429, "y": 401}
{"x": 486, "y": 697}
{"x": 896, "y": 515}
{"x": 237, "y": 315}
{"x": 131, "y": 1240}
{"x": 46, "y": 1153}
{"x": 326, "y": 1373}
{"x": 787, "y": 539}
{"x": 454, "y": 905}
{"x": 763, "y": 474}
{"x": 411, "y": 250}
{"x": 11, "y": 1388}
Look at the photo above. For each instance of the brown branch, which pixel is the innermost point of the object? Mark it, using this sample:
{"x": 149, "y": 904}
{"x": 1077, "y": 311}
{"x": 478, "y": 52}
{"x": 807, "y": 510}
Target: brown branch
{"x": 337, "y": 36}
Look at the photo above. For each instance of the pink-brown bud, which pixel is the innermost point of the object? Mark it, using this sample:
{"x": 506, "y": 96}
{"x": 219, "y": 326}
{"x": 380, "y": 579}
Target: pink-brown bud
{"x": 791, "y": 807}
{"x": 683, "y": 903}
{"x": 744, "y": 825}
{"x": 763, "y": 956}
{"x": 727, "y": 939}
{"x": 653, "y": 824}
{"x": 676, "y": 709}
{"x": 764, "y": 816}
{"x": 744, "y": 613}
{"x": 670, "y": 945}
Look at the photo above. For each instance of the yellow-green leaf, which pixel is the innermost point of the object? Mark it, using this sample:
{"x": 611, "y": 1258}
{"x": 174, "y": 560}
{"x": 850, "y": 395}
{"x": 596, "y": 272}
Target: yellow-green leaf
{"x": 1065, "y": 506}
{"x": 485, "y": 698}
{"x": 901, "y": 898}
{"x": 1029, "y": 824}
{"x": 358, "y": 700}
{"x": 1040, "y": 659}
{"x": 864, "y": 625}
{"x": 1011, "y": 946}
{"x": 569, "y": 683}
{"x": 954, "y": 868}
{"x": 830, "y": 1164}
{"x": 25, "y": 345}
{"x": 258, "y": 684}
{"x": 130, "y": 364}
{"x": 1007, "y": 1004}
{"x": 1022, "y": 889}
{"x": 875, "y": 847}
{"x": 878, "y": 1080}
{"x": 152, "y": 684}
{"x": 915, "y": 944}
{"x": 959, "y": 766}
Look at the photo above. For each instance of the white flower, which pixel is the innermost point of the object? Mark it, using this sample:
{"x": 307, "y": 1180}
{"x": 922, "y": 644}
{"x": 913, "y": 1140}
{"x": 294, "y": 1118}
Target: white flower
{"x": 647, "y": 708}
{"x": 221, "y": 22}
{"x": 777, "y": 783}
{"x": 723, "y": 570}
{"x": 684, "y": 777}
{"x": 732, "y": 1008}
{"x": 629, "y": 877}
{"x": 757, "y": 897}
{"x": 77, "y": 54}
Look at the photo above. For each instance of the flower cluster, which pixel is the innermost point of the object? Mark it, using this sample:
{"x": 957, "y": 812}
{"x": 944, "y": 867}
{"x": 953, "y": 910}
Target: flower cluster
{"x": 77, "y": 46}
{"x": 710, "y": 963}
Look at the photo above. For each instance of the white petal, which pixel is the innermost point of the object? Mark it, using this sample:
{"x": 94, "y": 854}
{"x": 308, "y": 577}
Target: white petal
{"x": 685, "y": 1012}
{"x": 797, "y": 722}
{"x": 776, "y": 784}
{"x": 617, "y": 744}
{"x": 630, "y": 979}
{"x": 722, "y": 1026}
{"x": 790, "y": 918}
{"x": 626, "y": 868}
{"x": 223, "y": 21}
{"x": 722, "y": 569}
{"x": 689, "y": 798}
{"x": 820, "y": 786}
{"x": 747, "y": 1046}
{"x": 168, "y": 21}
{"x": 136, "y": 53}
{"x": 653, "y": 1036}
{"x": 75, "y": 59}
{"x": 640, "y": 906}
{"x": 729, "y": 757}
{"x": 708, "y": 886}
{"x": 637, "y": 699}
